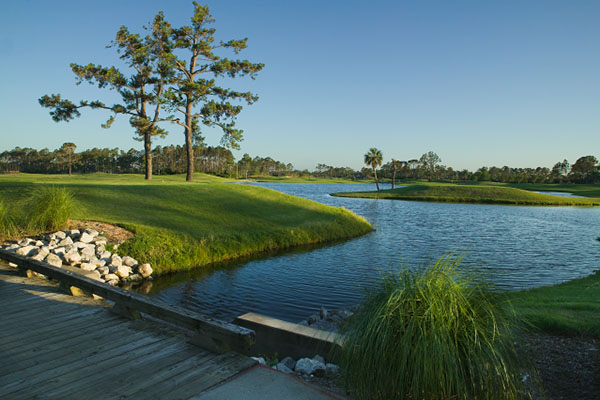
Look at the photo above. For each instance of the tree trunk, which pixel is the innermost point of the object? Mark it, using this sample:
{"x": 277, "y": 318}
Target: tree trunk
{"x": 394, "y": 177}
{"x": 188, "y": 143}
{"x": 376, "y": 180}
{"x": 148, "y": 154}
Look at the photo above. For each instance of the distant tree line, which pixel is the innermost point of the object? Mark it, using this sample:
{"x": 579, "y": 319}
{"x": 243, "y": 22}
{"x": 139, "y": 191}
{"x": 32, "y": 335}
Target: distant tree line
{"x": 167, "y": 160}
{"x": 585, "y": 170}
{"x": 220, "y": 161}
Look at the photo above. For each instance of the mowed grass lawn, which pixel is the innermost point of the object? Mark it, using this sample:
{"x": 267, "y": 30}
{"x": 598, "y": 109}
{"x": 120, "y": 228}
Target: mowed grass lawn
{"x": 180, "y": 225}
{"x": 571, "y": 308}
{"x": 486, "y": 193}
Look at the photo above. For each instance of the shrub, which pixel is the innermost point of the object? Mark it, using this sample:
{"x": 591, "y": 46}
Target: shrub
{"x": 434, "y": 333}
{"x": 49, "y": 208}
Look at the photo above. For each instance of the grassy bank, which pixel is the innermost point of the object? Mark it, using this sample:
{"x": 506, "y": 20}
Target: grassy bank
{"x": 180, "y": 225}
{"x": 571, "y": 308}
{"x": 479, "y": 193}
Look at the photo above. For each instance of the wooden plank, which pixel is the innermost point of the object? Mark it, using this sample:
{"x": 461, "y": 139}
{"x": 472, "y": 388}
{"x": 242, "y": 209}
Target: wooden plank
{"x": 44, "y": 310}
{"x": 161, "y": 376}
{"x": 32, "y": 322}
{"x": 60, "y": 331}
{"x": 52, "y": 383}
{"x": 34, "y": 347}
{"x": 106, "y": 339}
{"x": 196, "y": 384}
{"x": 195, "y": 377}
{"x": 140, "y": 369}
{"x": 82, "y": 372}
{"x": 220, "y": 335}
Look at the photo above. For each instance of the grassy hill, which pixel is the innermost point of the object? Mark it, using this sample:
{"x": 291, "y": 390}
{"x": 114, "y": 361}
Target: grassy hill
{"x": 481, "y": 193}
{"x": 180, "y": 225}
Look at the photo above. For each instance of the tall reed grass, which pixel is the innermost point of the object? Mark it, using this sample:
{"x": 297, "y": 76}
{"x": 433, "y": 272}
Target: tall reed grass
{"x": 8, "y": 224}
{"x": 434, "y": 333}
{"x": 48, "y": 208}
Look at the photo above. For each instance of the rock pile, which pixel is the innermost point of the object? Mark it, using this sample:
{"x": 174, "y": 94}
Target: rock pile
{"x": 85, "y": 249}
{"x": 304, "y": 367}
{"x": 327, "y": 320}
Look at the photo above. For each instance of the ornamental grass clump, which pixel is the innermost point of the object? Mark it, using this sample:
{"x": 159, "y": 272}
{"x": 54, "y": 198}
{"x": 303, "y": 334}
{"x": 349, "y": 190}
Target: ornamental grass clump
{"x": 49, "y": 208}
{"x": 8, "y": 226}
{"x": 434, "y": 333}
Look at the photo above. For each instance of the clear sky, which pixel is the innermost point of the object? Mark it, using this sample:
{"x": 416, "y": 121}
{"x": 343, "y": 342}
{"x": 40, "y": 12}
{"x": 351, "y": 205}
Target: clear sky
{"x": 479, "y": 82}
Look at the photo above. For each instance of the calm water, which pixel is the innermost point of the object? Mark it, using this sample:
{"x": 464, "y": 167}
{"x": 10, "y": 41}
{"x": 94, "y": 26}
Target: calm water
{"x": 516, "y": 247}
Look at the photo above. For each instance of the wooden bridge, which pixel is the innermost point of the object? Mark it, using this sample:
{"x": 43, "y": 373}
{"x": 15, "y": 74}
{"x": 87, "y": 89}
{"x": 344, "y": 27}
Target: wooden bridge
{"x": 55, "y": 345}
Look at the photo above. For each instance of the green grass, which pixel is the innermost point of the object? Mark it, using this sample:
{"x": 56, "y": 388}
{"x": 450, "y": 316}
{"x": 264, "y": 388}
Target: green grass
{"x": 433, "y": 333}
{"x": 181, "y": 225}
{"x": 481, "y": 193}
{"x": 571, "y": 308}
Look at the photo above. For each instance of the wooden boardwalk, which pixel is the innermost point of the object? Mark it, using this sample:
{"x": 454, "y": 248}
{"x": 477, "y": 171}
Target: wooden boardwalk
{"x": 56, "y": 346}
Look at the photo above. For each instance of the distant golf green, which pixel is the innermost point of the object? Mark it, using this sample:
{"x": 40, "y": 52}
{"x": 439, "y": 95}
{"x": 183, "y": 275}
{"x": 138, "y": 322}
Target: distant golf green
{"x": 181, "y": 225}
{"x": 485, "y": 193}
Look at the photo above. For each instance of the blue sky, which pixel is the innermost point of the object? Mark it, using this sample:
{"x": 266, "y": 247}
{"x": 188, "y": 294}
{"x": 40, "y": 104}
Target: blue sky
{"x": 479, "y": 82}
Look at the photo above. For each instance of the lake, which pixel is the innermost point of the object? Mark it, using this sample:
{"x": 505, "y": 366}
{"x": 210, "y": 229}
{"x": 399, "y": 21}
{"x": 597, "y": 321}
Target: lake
{"x": 516, "y": 247}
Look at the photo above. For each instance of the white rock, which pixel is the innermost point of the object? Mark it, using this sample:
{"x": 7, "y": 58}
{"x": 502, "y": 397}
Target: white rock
{"x": 54, "y": 260}
{"x": 60, "y": 235}
{"x": 116, "y": 261}
{"x": 65, "y": 241}
{"x": 129, "y": 261}
{"x": 97, "y": 263}
{"x": 39, "y": 243}
{"x": 135, "y": 277}
{"x": 100, "y": 249}
{"x": 100, "y": 242}
{"x": 80, "y": 245}
{"x": 92, "y": 232}
{"x": 281, "y": 367}
{"x": 24, "y": 242}
{"x": 74, "y": 233}
{"x": 145, "y": 270}
{"x": 88, "y": 253}
{"x": 86, "y": 237}
{"x": 41, "y": 255}
{"x": 59, "y": 251}
{"x": 105, "y": 255}
{"x": 12, "y": 265}
{"x": 111, "y": 277}
{"x": 319, "y": 358}
{"x": 103, "y": 270}
{"x": 260, "y": 360}
{"x": 27, "y": 250}
{"x": 112, "y": 282}
{"x": 13, "y": 247}
{"x": 289, "y": 362}
{"x": 88, "y": 267}
{"x": 123, "y": 271}
{"x": 306, "y": 366}
{"x": 95, "y": 275}
{"x": 73, "y": 257}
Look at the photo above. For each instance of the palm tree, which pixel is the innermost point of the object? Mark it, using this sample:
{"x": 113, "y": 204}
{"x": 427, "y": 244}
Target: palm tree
{"x": 395, "y": 165}
{"x": 373, "y": 159}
